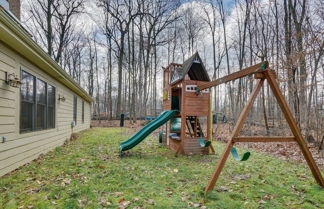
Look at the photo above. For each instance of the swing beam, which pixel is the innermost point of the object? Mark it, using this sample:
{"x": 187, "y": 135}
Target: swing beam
{"x": 262, "y": 73}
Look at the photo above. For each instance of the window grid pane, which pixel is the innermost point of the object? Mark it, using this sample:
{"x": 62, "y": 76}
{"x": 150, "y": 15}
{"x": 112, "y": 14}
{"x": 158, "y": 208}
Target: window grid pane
{"x": 41, "y": 104}
{"x": 75, "y": 100}
{"x": 27, "y": 87}
{"x": 50, "y": 106}
{"x": 27, "y": 102}
{"x": 82, "y": 111}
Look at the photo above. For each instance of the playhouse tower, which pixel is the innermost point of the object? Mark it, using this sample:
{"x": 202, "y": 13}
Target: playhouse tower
{"x": 186, "y": 130}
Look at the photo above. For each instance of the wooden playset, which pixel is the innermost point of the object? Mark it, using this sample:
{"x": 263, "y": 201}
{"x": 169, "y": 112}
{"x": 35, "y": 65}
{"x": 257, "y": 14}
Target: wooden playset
{"x": 188, "y": 83}
{"x": 189, "y": 131}
{"x": 186, "y": 119}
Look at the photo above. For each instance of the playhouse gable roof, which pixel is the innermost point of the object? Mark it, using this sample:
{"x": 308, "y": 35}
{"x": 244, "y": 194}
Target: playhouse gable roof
{"x": 194, "y": 67}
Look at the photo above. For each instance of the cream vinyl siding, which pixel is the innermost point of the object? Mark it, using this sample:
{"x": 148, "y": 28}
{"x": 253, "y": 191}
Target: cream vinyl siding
{"x": 22, "y": 148}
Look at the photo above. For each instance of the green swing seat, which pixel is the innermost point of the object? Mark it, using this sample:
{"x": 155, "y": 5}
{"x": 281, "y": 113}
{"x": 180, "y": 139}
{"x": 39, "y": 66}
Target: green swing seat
{"x": 203, "y": 143}
{"x": 236, "y": 157}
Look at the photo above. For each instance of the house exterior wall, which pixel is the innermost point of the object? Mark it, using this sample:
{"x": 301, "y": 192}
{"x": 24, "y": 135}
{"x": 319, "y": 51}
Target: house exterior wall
{"x": 21, "y": 148}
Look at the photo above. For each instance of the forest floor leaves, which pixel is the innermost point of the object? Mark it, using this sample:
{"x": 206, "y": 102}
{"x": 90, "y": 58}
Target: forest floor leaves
{"x": 88, "y": 173}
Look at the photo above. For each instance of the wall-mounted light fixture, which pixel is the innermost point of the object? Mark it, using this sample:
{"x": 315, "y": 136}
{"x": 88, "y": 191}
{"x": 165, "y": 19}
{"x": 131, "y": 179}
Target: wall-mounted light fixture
{"x": 61, "y": 98}
{"x": 12, "y": 80}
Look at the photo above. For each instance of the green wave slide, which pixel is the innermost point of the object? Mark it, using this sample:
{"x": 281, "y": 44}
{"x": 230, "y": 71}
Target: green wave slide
{"x": 146, "y": 130}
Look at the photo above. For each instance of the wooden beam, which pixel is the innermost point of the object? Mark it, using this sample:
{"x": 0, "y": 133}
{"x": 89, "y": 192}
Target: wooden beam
{"x": 178, "y": 150}
{"x": 238, "y": 126}
{"x": 212, "y": 148}
{"x": 183, "y": 120}
{"x": 233, "y": 76}
{"x": 270, "y": 75}
{"x": 264, "y": 139}
{"x": 259, "y": 75}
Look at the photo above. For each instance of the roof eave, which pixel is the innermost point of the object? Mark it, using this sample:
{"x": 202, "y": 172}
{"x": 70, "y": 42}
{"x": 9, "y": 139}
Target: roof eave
{"x": 176, "y": 82}
{"x": 18, "y": 39}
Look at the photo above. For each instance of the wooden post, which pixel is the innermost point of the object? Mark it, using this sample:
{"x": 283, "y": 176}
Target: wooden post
{"x": 195, "y": 127}
{"x": 235, "y": 133}
{"x": 270, "y": 75}
{"x": 183, "y": 119}
{"x": 210, "y": 118}
{"x": 212, "y": 148}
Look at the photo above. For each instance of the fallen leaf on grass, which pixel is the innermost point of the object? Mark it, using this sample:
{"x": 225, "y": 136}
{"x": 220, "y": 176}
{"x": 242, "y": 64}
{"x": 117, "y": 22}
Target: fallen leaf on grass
{"x": 184, "y": 198}
{"x": 81, "y": 203}
{"x": 149, "y": 201}
{"x": 102, "y": 166}
{"x": 33, "y": 191}
{"x": 223, "y": 189}
{"x": 262, "y": 202}
{"x": 118, "y": 193}
{"x": 66, "y": 182}
{"x": 195, "y": 205}
{"x": 233, "y": 182}
{"x": 104, "y": 202}
{"x": 242, "y": 177}
{"x": 124, "y": 204}
{"x": 168, "y": 189}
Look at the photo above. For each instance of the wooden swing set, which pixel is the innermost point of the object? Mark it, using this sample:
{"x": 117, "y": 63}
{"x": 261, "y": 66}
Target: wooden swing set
{"x": 261, "y": 72}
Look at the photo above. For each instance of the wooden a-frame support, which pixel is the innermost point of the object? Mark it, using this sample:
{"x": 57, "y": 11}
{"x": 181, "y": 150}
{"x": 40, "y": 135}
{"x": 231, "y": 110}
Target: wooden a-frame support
{"x": 270, "y": 76}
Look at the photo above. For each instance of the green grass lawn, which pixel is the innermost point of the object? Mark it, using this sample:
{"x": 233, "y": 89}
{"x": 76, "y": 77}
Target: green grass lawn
{"x": 87, "y": 173}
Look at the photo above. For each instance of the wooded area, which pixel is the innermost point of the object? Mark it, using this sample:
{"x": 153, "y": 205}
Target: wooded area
{"x": 116, "y": 50}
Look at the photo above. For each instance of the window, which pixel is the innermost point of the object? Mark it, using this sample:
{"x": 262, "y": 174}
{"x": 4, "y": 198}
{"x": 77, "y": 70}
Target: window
{"x": 41, "y": 104}
{"x": 50, "y": 106}
{"x": 75, "y": 105}
{"x": 82, "y": 111}
{"x": 27, "y": 102}
{"x": 37, "y": 104}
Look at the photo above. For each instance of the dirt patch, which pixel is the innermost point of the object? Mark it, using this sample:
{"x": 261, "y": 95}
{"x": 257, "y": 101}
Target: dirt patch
{"x": 116, "y": 123}
{"x": 132, "y": 127}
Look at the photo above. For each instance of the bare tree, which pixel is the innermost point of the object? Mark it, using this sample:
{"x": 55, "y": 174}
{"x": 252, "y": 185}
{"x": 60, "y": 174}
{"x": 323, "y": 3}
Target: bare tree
{"x": 211, "y": 18}
{"x": 64, "y": 12}
{"x": 123, "y": 12}
{"x": 42, "y": 13}
{"x": 192, "y": 27}
{"x": 53, "y": 22}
